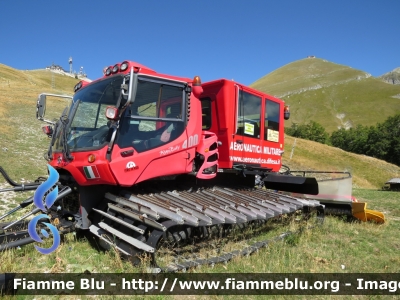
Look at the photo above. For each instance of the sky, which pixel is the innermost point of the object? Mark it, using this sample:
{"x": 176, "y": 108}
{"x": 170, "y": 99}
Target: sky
{"x": 242, "y": 40}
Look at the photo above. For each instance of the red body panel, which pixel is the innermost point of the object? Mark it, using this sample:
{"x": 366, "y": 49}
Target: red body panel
{"x": 169, "y": 159}
{"x": 236, "y": 148}
{"x": 101, "y": 173}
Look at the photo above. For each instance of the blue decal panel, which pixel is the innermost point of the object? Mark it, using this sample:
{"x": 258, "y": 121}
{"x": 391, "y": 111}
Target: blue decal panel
{"x": 44, "y": 205}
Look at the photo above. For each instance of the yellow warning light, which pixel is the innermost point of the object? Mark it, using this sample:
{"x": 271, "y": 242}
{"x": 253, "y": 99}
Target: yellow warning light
{"x": 91, "y": 158}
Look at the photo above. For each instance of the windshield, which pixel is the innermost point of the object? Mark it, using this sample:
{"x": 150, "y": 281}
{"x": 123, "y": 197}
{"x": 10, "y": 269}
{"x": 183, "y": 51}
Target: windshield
{"x": 89, "y": 129}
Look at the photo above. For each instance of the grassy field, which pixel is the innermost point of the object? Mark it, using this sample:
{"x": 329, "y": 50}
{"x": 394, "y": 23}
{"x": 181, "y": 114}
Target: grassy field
{"x": 360, "y": 247}
{"x": 367, "y": 172}
{"x": 336, "y": 247}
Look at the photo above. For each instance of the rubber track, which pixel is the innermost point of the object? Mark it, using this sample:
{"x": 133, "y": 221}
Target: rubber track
{"x": 223, "y": 206}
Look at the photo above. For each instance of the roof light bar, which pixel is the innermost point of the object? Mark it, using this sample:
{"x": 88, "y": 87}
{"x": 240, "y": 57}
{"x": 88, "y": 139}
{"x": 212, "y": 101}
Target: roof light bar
{"x": 115, "y": 68}
{"x": 124, "y": 66}
{"x": 108, "y": 71}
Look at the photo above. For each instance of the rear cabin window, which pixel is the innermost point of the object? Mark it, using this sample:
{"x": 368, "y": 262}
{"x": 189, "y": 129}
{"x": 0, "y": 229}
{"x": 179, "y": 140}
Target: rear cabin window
{"x": 206, "y": 113}
{"x": 249, "y": 115}
{"x": 271, "y": 131}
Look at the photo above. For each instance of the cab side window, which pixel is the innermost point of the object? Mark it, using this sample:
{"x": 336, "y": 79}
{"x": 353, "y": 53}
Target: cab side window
{"x": 271, "y": 131}
{"x": 248, "y": 115}
{"x": 155, "y": 117}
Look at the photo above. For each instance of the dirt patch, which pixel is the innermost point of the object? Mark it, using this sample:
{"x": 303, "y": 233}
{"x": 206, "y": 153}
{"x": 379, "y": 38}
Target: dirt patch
{"x": 6, "y": 198}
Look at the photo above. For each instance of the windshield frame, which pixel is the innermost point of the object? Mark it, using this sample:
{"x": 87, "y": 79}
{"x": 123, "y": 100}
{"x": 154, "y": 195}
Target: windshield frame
{"x": 89, "y": 114}
{"x": 162, "y": 81}
{"x": 161, "y": 107}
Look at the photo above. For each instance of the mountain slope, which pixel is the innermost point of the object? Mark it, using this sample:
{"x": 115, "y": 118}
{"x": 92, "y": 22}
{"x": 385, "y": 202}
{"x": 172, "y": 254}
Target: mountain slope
{"x": 22, "y": 142}
{"x": 331, "y": 94}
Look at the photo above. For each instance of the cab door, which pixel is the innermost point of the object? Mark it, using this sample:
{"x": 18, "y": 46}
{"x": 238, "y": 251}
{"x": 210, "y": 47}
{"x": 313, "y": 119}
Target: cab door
{"x": 246, "y": 148}
{"x": 272, "y": 140}
{"x": 152, "y": 139}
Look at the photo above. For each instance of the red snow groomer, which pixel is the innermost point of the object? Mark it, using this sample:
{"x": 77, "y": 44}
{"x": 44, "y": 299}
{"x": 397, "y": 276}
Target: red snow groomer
{"x": 149, "y": 161}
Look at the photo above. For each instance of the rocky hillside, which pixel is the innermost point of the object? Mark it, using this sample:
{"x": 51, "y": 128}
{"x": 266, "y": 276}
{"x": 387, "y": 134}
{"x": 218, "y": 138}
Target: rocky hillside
{"x": 392, "y": 77}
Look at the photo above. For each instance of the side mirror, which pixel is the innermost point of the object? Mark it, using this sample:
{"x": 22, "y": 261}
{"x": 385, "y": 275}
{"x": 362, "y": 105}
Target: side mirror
{"x": 41, "y": 106}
